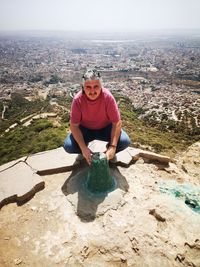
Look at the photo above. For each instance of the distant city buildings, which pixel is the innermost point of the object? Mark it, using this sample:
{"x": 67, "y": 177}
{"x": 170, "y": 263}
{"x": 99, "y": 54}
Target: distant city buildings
{"x": 161, "y": 76}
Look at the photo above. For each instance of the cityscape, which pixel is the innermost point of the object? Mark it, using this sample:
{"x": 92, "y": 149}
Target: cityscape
{"x": 160, "y": 75}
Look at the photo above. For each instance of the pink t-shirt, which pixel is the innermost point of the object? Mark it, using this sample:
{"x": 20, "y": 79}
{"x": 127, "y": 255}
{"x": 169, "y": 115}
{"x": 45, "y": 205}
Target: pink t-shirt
{"x": 94, "y": 114}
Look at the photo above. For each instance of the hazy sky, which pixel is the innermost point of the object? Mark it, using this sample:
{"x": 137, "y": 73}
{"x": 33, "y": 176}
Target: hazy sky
{"x": 99, "y": 14}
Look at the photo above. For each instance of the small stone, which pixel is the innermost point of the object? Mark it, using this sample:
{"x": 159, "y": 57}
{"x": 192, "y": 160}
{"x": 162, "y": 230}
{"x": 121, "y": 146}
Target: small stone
{"x": 156, "y": 215}
{"x": 6, "y": 238}
{"x": 33, "y": 208}
{"x": 26, "y": 238}
{"x": 123, "y": 259}
{"x": 17, "y": 261}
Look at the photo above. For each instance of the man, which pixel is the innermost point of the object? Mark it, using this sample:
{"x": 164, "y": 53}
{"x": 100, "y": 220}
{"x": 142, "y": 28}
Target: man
{"x": 95, "y": 115}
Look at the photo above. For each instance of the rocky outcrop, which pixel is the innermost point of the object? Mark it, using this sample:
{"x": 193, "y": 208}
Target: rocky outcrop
{"x": 137, "y": 224}
{"x": 189, "y": 162}
{"x": 18, "y": 184}
{"x": 25, "y": 172}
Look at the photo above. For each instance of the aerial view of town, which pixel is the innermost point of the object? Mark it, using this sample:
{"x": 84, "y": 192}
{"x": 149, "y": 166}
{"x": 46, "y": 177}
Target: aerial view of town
{"x": 155, "y": 79}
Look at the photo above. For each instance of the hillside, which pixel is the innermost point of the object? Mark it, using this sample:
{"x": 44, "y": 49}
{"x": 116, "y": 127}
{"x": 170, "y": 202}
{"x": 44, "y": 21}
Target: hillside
{"x": 29, "y": 127}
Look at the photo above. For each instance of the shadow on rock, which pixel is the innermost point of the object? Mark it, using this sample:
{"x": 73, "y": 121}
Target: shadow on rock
{"x": 89, "y": 206}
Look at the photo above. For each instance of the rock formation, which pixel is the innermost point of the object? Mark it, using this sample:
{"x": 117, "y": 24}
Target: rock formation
{"x": 150, "y": 219}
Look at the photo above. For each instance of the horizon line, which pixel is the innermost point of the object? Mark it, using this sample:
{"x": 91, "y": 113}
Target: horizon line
{"x": 100, "y": 30}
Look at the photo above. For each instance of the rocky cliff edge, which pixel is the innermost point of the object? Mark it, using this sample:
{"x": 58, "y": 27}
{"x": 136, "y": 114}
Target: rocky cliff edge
{"x": 152, "y": 218}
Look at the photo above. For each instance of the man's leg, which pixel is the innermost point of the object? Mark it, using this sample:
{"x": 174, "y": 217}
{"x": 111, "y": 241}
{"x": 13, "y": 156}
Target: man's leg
{"x": 105, "y": 135}
{"x": 70, "y": 144}
{"x": 123, "y": 142}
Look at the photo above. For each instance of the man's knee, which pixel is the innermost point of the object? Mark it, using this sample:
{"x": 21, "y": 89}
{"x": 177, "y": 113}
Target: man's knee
{"x": 67, "y": 147}
{"x": 127, "y": 140}
{"x": 124, "y": 141}
{"x": 70, "y": 145}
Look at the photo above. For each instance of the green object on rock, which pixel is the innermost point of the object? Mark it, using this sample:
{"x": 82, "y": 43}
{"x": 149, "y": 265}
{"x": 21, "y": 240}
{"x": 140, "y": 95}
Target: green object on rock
{"x": 99, "y": 179}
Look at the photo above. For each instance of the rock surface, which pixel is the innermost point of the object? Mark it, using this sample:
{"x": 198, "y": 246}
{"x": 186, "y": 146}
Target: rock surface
{"x": 19, "y": 183}
{"x": 190, "y": 162}
{"x": 134, "y": 225}
{"x": 53, "y": 161}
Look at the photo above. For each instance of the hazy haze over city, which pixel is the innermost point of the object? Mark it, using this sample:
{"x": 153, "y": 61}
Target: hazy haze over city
{"x": 96, "y": 15}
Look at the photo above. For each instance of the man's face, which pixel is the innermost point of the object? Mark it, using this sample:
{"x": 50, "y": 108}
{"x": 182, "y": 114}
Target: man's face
{"x": 92, "y": 89}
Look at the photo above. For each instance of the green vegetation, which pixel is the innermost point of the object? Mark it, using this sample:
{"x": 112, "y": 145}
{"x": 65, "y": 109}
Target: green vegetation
{"x": 143, "y": 133}
{"x": 36, "y": 78}
{"x": 42, "y": 134}
{"x": 19, "y": 108}
{"x": 54, "y": 79}
{"x": 186, "y": 123}
{"x": 39, "y": 136}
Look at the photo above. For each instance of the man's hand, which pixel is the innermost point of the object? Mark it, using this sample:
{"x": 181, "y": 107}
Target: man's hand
{"x": 110, "y": 153}
{"x": 78, "y": 136}
{"x": 86, "y": 152}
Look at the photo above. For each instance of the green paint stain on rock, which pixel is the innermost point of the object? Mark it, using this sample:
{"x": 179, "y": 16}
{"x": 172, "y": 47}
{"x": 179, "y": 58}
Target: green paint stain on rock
{"x": 189, "y": 193}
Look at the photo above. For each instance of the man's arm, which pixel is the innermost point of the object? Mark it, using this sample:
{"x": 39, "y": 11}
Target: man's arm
{"x": 115, "y": 133}
{"x": 77, "y": 134}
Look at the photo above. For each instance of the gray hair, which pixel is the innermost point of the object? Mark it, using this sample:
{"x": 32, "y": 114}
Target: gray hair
{"x": 91, "y": 74}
